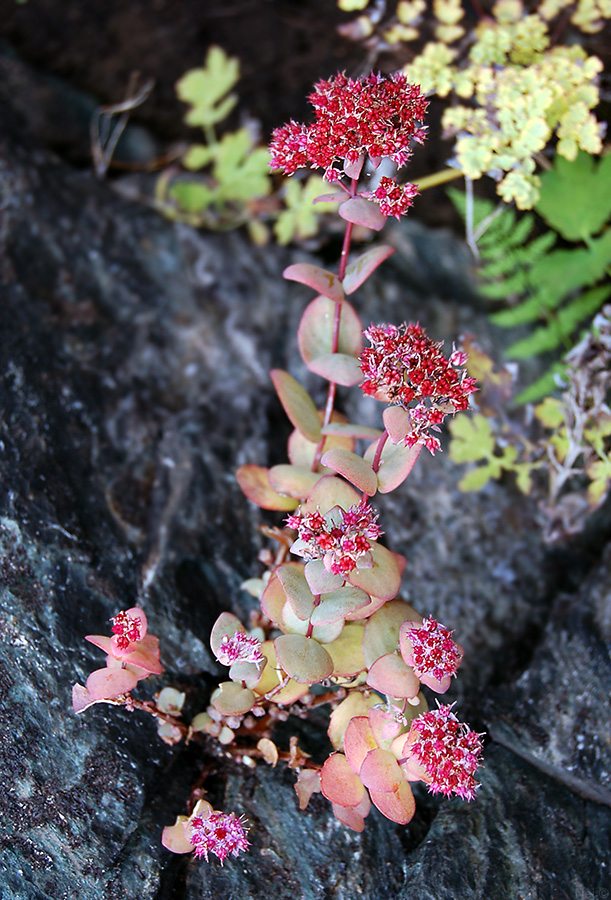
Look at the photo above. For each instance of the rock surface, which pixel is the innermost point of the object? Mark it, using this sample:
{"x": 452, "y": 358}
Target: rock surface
{"x": 133, "y": 369}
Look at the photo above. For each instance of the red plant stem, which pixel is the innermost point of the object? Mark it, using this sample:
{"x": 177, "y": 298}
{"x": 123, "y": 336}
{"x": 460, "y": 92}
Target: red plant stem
{"x": 375, "y": 465}
{"x": 337, "y": 317}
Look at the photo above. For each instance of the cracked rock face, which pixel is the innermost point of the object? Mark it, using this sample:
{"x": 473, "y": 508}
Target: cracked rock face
{"x": 133, "y": 381}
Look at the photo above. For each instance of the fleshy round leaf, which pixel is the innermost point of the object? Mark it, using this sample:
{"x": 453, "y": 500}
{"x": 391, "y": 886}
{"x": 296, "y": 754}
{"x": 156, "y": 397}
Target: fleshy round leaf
{"x": 231, "y": 699}
{"x": 364, "y": 613}
{"x": 346, "y": 651}
{"x": 338, "y": 604}
{"x": 358, "y": 741}
{"x": 381, "y": 772}
{"x": 273, "y": 597}
{"x": 395, "y": 465}
{"x": 254, "y": 482}
{"x": 321, "y": 280}
{"x": 383, "y": 579}
{"x": 398, "y": 807}
{"x": 308, "y": 783}
{"x": 297, "y": 590}
{"x": 351, "y": 430}
{"x": 104, "y": 684}
{"x": 391, "y": 676}
{"x": 324, "y": 634}
{"x": 270, "y": 680}
{"x": 319, "y": 579}
{"x": 315, "y": 334}
{"x": 246, "y": 673}
{"x": 382, "y": 630}
{"x": 339, "y": 783}
{"x": 397, "y": 423}
{"x": 295, "y": 481}
{"x": 226, "y": 624}
{"x": 353, "y": 468}
{"x": 337, "y": 367}
{"x": 301, "y": 451}
{"x": 331, "y": 491}
{"x": 303, "y": 658}
{"x": 362, "y": 212}
{"x": 353, "y": 818}
{"x": 173, "y": 837}
{"x": 359, "y": 270}
{"x": 297, "y": 404}
{"x": 355, "y": 704}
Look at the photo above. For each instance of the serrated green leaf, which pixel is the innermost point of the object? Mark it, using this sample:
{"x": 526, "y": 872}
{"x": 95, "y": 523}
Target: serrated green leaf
{"x": 479, "y": 478}
{"x": 206, "y": 89}
{"x": 576, "y": 196}
{"x": 300, "y": 218}
{"x": 191, "y": 196}
{"x": 472, "y": 439}
{"x": 197, "y": 156}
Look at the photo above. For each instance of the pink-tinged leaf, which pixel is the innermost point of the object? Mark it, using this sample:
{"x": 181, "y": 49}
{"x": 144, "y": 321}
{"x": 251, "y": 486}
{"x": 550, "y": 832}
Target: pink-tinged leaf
{"x": 270, "y": 680}
{"x": 397, "y": 423}
{"x": 297, "y": 590}
{"x": 339, "y": 783}
{"x": 254, "y": 483}
{"x": 231, "y": 699}
{"x": 395, "y": 466}
{"x": 319, "y": 279}
{"x": 364, "y": 613}
{"x": 104, "y": 684}
{"x": 380, "y": 771}
{"x": 320, "y": 580}
{"x": 315, "y": 334}
{"x": 337, "y": 367}
{"x": 353, "y": 818}
{"x": 353, "y": 468}
{"x": 308, "y": 783}
{"x": 329, "y": 492}
{"x": 338, "y": 604}
{"x": 301, "y": 451}
{"x": 391, "y": 676}
{"x": 383, "y": 579}
{"x": 351, "y": 430}
{"x": 304, "y": 659}
{"x": 399, "y": 807}
{"x": 358, "y": 741}
{"x": 173, "y": 837}
{"x": 354, "y": 169}
{"x": 292, "y": 480}
{"x": 81, "y": 698}
{"x": 273, "y": 598}
{"x": 297, "y": 403}
{"x": 346, "y": 652}
{"x": 382, "y": 630}
{"x": 362, "y": 212}
{"x": 335, "y": 197}
{"x": 101, "y": 641}
{"x": 360, "y": 269}
{"x": 355, "y": 704}
{"x": 384, "y": 726}
{"x": 226, "y": 624}
{"x": 146, "y": 656}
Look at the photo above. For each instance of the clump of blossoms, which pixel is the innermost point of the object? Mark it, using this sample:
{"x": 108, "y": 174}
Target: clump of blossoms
{"x": 404, "y": 366}
{"x": 332, "y": 628}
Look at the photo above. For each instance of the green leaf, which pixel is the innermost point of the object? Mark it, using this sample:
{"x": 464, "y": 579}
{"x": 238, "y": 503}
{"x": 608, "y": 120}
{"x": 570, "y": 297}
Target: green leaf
{"x": 298, "y": 405}
{"x": 206, "y": 89}
{"x": 576, "y": 196}
{"x": 472, "y": 439}
{"x": 542, "y": 386}
{"x": 192, "y": 196}
{"x": 300, "y": 218}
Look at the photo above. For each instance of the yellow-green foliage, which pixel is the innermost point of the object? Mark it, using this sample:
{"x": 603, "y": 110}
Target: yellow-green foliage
{"x": 510, "y": 90}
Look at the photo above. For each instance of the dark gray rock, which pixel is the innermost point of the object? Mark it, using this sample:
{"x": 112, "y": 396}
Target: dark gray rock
{"x": 134, "y": 380}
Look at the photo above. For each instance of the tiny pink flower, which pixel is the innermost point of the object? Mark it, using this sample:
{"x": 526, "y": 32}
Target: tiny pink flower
{"x": 442, "y": 752}
{"x": 128, "y": 626}
{"x": 341, "y": 538}
{"x": 239, "y": 647}
{"x": 405, "y": 367}
{"x": 219, "y": 833}
{"x": 392, "y": 198}
{"x": 431, "y": 652}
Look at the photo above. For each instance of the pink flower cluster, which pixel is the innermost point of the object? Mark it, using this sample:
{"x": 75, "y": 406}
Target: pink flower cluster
{"x": 404, "y": 366}
{"x": 126, "y": 629}
{"x": 239, "y": 647}
{"x": 443, "y": 752}
{"x": 378, "y": 115}
{"x": 431, "y": 652}
{"x": 340, "y": 538}
{"x": 219, "y": 833}
{"x": 393, "y": 199}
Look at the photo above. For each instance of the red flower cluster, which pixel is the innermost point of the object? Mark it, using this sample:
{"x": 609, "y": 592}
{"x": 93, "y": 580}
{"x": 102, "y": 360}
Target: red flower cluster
{"x": 404, "y": 366}
{"x": 219, "y": 833}
{"x": 392, "y": 198}
{"x": 447, "y": 750}
{"x": 126, "y": 629}
{"x": 428, "y": 647}
{"x": 340, "y": 538}
{"x": 239, "y": 647}
{"x": 378, "y": 115}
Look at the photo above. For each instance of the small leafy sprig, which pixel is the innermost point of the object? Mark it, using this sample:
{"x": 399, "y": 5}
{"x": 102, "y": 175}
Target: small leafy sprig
{"x": 331, "y": 619}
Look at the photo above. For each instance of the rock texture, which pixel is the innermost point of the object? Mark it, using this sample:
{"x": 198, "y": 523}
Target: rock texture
{"x": 133, "y": 380}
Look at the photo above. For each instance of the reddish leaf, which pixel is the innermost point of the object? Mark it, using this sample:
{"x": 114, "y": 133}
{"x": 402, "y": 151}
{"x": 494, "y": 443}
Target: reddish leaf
{"x": 391, "y": 676}
{"x": 322, "y": 281}
{"x": 353, "y": 818}
{"x": 361, "y": 268}
{"x": 339, "y": 783}
{"x": 173, "y": 837}
{"x": 308, "y": 783}
{"x": 399, "y": 807}
{"x": 297, "y": 403}
{"x": 296, "y": 481}
{"x": 358, "y": 741}
{"x": 353, "y": 468}
{"x": 331, "y": 491}
{"x": 397, "y": 423}
{"x": 254, "y": 482}
{"x": 315, "y": 334}
{"x": 380, "y": 771}
{"x": 383, "y": 579}
{"x": 104, "y": 684}
{"x": 362, "y": 212}
{"x": 355, "y": 705}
